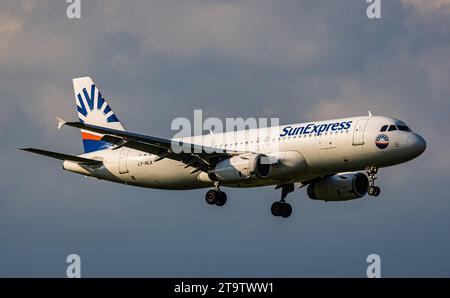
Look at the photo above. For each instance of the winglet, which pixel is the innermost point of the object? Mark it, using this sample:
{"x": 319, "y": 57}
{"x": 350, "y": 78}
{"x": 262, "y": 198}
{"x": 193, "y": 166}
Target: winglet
{"x": 61, "y": 123}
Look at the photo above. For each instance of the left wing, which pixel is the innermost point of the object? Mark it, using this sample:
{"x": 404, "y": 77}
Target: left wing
{"x": 197, "y": 156}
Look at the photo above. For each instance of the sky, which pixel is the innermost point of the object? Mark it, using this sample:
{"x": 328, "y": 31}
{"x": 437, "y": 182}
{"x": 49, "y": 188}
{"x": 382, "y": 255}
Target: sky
{"x": 159, "y": 60}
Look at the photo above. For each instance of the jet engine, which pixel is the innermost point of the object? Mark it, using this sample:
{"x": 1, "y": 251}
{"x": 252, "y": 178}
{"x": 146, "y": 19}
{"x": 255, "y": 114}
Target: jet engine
{"x": 339, "y": 187}
{"x": 241, "y": 167}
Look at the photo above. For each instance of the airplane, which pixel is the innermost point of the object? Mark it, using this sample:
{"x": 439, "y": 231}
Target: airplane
{"x": 338, "y": 160}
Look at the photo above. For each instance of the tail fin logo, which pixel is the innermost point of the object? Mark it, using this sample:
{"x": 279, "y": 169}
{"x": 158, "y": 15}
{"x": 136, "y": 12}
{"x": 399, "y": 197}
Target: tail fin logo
{"x": 92, "y": 105}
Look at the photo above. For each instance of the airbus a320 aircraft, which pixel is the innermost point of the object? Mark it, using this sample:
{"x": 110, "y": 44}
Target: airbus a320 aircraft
{"x": 336, "y": 159}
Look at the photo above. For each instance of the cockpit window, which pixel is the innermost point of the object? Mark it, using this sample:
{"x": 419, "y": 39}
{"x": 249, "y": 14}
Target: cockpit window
{"x": 403, "y": 128}
{"x": 392, "y": 128}
{"x": 384, "y": 128}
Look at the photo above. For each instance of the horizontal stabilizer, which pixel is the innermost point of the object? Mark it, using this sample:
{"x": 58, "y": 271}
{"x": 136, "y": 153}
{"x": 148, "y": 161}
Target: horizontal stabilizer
{"x": 62, "y": 156}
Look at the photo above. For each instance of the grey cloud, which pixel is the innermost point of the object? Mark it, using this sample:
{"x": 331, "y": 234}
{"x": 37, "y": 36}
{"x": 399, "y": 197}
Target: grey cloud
{"x": 427, "y": 6}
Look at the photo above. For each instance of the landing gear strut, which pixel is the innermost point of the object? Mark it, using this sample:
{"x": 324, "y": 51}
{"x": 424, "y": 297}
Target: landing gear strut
{"x": 216, "y": 196}
{"x": 282, "y": 208}
{"x": 372, "y": 175}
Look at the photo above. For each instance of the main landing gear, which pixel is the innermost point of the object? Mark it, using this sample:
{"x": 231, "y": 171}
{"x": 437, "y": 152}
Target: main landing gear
{"x": 372, "y": 175}
{"x": 216, "y": 196}
{"x": 282, "y": 208}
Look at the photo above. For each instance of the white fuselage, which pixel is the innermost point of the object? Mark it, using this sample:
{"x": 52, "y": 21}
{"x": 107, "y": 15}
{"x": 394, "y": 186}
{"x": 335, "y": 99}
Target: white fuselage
{"x": 301, "y": 153}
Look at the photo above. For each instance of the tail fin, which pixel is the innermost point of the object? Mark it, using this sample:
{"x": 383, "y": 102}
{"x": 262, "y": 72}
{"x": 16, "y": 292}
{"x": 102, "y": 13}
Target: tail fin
{"x": 95, "y": 110}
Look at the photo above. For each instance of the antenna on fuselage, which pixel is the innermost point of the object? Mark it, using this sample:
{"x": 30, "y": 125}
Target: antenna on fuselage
{"x": 370, "y": 114}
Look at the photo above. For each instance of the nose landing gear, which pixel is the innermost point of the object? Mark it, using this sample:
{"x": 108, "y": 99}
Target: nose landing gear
{"x": 372, "y": 175}
{"x": 282, "y": 208}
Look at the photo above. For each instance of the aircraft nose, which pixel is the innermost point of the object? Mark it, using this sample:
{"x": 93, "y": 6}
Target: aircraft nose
{"x": 416, "y": 144}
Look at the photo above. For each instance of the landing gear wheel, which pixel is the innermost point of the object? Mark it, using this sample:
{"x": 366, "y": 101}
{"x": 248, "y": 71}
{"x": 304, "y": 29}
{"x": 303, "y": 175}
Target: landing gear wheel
{"x": 215, "y": 197}
{"x": 286, "y": 210}
{"x": 276, "y": 208}
{"x": 212, "y": 196}
{"x": 377, "y": 191}
{"x": 222, "y": 199}
{"x": 374, "y": 191}
{"x": 372, "y": 175}
{"x": 281, "y": 209}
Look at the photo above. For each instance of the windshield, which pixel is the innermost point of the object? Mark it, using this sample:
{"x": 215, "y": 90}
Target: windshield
{"x": 402, "y": 126}
{"x": 392, "y": 128}
{"x": 399, "y": 125}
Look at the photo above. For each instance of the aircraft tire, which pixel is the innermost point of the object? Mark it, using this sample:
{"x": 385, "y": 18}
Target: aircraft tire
{"x": 212, "y": 196}
{"x": 276, "y": 208}
{"x": 286, "y": 210}
{"x": 222, "y": 199}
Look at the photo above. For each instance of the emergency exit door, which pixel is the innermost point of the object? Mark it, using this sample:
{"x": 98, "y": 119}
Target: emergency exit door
{"x": 123, "y": 155}
{"x": 358, "y": 133}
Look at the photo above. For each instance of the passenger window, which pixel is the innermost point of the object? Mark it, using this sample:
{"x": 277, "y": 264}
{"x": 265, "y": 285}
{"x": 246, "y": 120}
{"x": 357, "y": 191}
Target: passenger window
{"x": 384, "y": 128}
{"x": 392, "y": 128}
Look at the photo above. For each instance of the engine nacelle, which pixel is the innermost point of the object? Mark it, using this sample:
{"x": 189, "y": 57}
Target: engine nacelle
{"x": 240, "y": 168}
{"x": 287, "y": 164}
{"x": 339, "y": 187}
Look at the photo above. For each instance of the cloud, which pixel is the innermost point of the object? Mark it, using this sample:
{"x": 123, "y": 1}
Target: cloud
{"x": 429, "y": 5}
{"x": 12, "y": 21}
{"x": 14, "y": 16}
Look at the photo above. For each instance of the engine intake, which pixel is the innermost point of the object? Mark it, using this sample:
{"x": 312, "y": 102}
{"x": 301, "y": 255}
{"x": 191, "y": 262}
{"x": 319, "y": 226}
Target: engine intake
{"x": 339, "y": 187}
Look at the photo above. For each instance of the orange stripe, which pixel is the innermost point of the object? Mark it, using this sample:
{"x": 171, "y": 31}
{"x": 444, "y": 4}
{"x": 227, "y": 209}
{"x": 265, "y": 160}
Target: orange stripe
{"x": 88, "y": 136}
